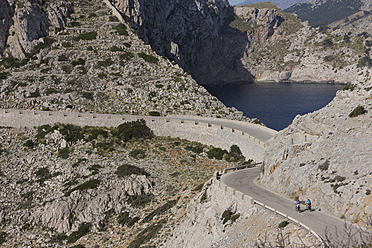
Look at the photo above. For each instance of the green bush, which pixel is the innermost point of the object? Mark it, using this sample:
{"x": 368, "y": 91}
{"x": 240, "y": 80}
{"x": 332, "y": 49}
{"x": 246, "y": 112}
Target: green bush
{"x": 216, "y": 153}
{"x": 105, "y": 63}
{"x": 133, "y": 130}
{"x": 154, "y": 113}
{"x": 63, "y": 153}
{"x": 87, "y": 36}
{"x": 66, "y": 44}
{"x": 147, "y": 234}
{"x": 139, "y": 201}
{"x": 228, "y": 215}
{"x": 91, "y": 184}
{"x": 50, "y": 91}
{"x": 4, "y": 75}
{"x": 84, "y": 229}
{"x": 29, "y": 143}
{"x": 197, "y": 149}
{"x": 137, "y": 154}
{"x": 148, "y": 58}
{"x": 115, "y": 49}
{"x": 76, "y": 62}
{"x": 159, "y": 211}
{"x": 350, "y": 87}
{"x": 357, "y": 111}
{"x": 324, "y": 166}
{"x": 36, "y": 93}
{"x": 67, "y": 69}
{"x": 58, "y": 238}
{"x": 127, "y": 170}
{"x": 88, "y": 95}
{"x": 124, "y": 219}
{"x": 121, "y": 29}
{"x": 126, "y": 56}
{"x": 74, "y": 24}
{"x": 3, "y": 236}
{"x": 283, "y": 224}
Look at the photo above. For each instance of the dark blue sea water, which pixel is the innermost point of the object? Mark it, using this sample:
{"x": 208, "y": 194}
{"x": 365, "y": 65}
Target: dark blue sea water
{"x": 275, "y": 104}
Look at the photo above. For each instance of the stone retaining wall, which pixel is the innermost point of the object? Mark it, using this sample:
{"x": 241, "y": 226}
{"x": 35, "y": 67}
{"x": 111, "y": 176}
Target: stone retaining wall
{"x": 200, "y": 131}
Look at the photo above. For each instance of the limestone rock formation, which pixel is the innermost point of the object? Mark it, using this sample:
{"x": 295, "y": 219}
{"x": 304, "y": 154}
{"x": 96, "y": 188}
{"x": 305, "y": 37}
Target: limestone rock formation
{"x": 326, "y": 155}
{"x": 195, "y": 34}
{"x": 24, "y": 22}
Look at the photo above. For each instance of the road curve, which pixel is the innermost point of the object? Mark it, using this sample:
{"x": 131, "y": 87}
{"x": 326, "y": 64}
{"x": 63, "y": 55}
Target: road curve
{"x": 245, "y": 181}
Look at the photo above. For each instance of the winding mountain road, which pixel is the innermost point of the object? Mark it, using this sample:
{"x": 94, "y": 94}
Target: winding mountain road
{"x": 245, "y": 181}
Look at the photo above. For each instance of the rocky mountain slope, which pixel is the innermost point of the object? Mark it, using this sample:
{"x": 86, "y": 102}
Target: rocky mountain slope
{"x": 259, "y": 42}
{"x": 293, "y": 51}
{"x": 326, "y": 155}
{"x": 324, "y": 12}
{"x": 64, "y": 185}
{"x": 92, "y": 62}
{"x": 283, "y": 4}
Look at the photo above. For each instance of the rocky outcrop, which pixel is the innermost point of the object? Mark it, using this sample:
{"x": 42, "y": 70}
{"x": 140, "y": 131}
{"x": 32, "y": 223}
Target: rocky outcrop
{"x": 325, "y": 155}
{"x": 24, "y": 22}
{"x": 5, "y": 22}
{"x": 195, "y": 34}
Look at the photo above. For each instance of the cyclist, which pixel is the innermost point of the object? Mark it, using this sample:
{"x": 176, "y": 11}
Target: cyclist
{"x": 298, "y": 205}
{"x": 308, "y": 204}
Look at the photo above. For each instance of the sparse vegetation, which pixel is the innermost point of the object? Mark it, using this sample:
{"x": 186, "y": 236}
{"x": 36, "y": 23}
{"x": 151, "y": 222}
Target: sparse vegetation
{"x": 357, "y": 111}
{"x": 127, "y": 170}
{"x": 227, "y": 215}
{"x": 148, "y": 58}
{"x": 83, "y": 230}
{"x": 283, "y": 224}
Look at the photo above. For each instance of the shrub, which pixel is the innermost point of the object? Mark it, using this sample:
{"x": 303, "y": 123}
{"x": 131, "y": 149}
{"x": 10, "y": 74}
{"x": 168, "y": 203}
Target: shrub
{"x": 121, "y": 29}
{"x": 138, "y": 154}
{"x": 91, "y": 184}
{"x": 349, "y": 86}
{"x": 63, "y": 153}
{"x": 159, "y": 211}
{"x": 76, "y": 62}
{"x": 50, "y": 91}
{"x": 236, "y": 153}
{"x": 133, "y": 130}
{"x": 368, "y": 191}
{"x": 124, "y": 219}
{"x": 147, "y": 234}
{"x": 197, "y": 149}
{"x": 216, "y": 153}
{"x": 87, "y": 36}
{"x": 127, "y": 170}
{"x": 74, "y": 24}
{"x": 94, "y": 133}
{"x": 198, "y": 187}
{"x": 105, "y": 63}
{"x": 115, "y": 49}
{"x": 88, "y": 95}
{"x": 148, "y": 58}
{"x": 283, "y": 224}
{"x": 66, "y": 44}
{"x": 126, "y": 56}
{"x": 3, "y": 236}
{"x": 29, "y": 143}
{"x": 58, "y": 238}
{"x": 62, "y": 57}
{"x": 67, "y": 69}
{"x": 154, "y": 113}
{"x": 84, "y": 229}
{"x": 357, "y": 111}
{"x": 36, "y": 93}
{"x": 139, "y": 201}
{"x": 324, "y": 166}
{"x": 228, "y": 215}
{"x": 4, "y": 75}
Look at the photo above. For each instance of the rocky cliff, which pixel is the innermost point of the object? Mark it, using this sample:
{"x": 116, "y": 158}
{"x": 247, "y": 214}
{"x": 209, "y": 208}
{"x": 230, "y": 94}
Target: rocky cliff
{"x": 216, "y": 43}
{"x": 195, "y": 34}
{"x": 24, "y": 22}
{"x": 326, "y": 155}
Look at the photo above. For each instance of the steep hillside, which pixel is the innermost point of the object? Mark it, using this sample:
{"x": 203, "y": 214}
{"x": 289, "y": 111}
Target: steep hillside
{"x": 293, "y": 51}
{"x": 64, "y": 185}
{"x": 259, "y": 42}
{"x": 326, "y": 155}
{"x": 324, "y": 12}
{"x": 283, "y": 4}
{"x": 92, "y": 63}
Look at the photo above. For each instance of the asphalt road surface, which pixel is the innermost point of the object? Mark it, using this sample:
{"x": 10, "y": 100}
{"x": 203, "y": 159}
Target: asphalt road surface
{"x": 245, "y": 181}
